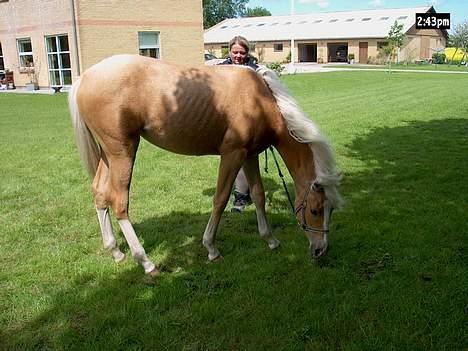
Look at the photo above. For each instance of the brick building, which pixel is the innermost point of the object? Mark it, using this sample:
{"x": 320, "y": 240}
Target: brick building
{"x": 61, "y": 38}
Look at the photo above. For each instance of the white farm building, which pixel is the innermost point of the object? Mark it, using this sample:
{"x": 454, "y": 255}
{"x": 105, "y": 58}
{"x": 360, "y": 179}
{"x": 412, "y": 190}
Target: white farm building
{"x": 328, "y": 37}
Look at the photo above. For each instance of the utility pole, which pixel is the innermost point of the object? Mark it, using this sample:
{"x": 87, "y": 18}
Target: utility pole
{"x": 291, "y": 64}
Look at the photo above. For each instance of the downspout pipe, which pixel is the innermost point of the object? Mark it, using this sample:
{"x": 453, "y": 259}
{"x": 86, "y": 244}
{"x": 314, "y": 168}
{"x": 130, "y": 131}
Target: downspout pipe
{"x": 75, "y": 37}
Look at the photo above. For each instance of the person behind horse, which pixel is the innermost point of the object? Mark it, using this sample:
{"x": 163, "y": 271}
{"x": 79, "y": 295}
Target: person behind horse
{"x": 239, "y": 48}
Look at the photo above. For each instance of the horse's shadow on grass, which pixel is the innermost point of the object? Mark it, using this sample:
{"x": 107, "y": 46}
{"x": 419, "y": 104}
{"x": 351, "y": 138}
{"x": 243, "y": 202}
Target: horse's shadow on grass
{"x": 394, "y": 202}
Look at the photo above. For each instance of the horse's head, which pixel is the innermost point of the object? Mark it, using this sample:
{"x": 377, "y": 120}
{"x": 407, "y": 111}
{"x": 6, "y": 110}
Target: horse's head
{"x": 313, "y": 211}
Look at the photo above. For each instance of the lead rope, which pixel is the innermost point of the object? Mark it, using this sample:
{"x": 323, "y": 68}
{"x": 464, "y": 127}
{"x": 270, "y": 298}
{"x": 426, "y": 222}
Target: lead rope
{"x": 279, "y": 173}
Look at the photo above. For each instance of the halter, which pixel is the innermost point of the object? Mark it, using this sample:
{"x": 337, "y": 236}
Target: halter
{"x": 302, "y": 207}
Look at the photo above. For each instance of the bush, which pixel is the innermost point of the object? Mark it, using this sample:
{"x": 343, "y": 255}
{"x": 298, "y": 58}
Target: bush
{"x": 438, "y": 58}
{"x": 224, "y": 53}
{"x": 275, "y": 66}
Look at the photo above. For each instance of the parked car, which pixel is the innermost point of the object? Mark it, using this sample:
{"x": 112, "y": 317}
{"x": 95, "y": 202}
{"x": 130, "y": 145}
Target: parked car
{"x": 210, "y": 57}
{"x": 211, "y": 60}
{"x": 341, "y": 55}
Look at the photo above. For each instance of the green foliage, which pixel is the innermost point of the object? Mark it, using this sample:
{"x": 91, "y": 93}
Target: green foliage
{"x": 396, "y": 35}
{"x": 351, "y": 56}
{"x": 256, "y": 12}
{"x": 275, "y": 66}
{"x": 224, "y": 53}
{"x": 438, "y": 58}
{"x": 394, "y": 278}
{"x": 215, "y": 11}
{"x": 459, "y": 38}
{"x": 395, "y": 39}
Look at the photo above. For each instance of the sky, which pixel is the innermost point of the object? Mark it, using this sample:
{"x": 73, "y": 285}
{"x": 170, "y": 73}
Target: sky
{"x": 458, "y": 9}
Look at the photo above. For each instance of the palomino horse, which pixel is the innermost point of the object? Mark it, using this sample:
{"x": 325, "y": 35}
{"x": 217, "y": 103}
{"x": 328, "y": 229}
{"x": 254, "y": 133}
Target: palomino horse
{"x": 222, "y": 110}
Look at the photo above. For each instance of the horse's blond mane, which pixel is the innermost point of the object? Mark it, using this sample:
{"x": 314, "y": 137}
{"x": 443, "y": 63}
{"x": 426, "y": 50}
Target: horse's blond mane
{"x": 303, "y": 130}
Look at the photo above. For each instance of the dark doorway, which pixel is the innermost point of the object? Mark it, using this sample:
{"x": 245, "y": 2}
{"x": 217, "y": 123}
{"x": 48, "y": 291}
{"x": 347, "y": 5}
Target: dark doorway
{"x": 338, "y": 52}
{"x": 307, "y": 52}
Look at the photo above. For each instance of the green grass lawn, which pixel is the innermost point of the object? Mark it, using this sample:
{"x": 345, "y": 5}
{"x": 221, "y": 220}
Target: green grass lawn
{"x": 395, "y": 277}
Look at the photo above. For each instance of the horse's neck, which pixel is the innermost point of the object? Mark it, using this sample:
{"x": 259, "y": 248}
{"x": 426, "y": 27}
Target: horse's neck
{"x": 299, "y": 159}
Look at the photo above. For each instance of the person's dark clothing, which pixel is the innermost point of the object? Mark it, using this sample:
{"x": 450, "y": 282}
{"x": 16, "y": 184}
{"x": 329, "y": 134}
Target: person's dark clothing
{"x": 248, "y": 62}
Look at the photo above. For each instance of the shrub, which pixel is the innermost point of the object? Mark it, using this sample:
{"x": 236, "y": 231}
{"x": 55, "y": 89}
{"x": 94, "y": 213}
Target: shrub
{"x": 224, "y": 53}
{"x": 275, "y": 66}
{"x": 438, "y": 58}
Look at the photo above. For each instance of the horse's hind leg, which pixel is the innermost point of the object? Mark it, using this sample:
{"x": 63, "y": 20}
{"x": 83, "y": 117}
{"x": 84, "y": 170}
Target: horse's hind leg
{"x": 120, "y": 173}
{"x": 100, "y": 184}
{"x": 257, "y": 193}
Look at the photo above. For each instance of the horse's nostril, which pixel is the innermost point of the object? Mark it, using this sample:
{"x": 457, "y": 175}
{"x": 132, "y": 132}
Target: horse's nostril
{"x": 317, "y": 252}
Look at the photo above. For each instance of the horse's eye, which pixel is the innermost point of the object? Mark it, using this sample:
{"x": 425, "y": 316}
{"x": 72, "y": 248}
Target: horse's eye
{"x": 314, "y": 211}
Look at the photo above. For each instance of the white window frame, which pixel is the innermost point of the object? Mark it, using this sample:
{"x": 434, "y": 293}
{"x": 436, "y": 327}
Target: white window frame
{"x": 156, "y": 46}
{"x": 59, "y": 53}
{"x": 22, "y": 54}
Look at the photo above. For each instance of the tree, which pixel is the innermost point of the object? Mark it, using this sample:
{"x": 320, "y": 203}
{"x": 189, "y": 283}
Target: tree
{"x": 215, "y": 11}
{"x": 459, "y": 39}
{"x": 395, "y": 39}
{"x": 256, "y": 12}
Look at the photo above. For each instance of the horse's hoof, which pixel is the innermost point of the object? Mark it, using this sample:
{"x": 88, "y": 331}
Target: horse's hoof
{"x": 119, "y": 257}
{"x": 218, "y": 258}
{"x": 273, "y": 244}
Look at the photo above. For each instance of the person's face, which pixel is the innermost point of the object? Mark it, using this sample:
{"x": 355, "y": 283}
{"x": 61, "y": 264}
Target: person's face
{"x": 238, "y": 54}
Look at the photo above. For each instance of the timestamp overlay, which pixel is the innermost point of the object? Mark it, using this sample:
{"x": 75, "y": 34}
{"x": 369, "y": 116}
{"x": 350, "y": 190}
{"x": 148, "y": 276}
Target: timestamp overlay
{"x": 433, "y": 21}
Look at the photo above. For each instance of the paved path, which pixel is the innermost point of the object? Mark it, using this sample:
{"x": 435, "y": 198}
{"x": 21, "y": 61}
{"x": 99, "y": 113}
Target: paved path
{"x": 316, "y": 68}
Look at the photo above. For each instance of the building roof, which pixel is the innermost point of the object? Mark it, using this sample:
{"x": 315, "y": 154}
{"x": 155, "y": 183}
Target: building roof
{"x": 316, "y": 26}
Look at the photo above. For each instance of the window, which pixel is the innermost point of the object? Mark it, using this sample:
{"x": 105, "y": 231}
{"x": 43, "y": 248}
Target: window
{"x": 25, "y": 53}
{"x": 287, "y": 23}
{"x": 302, "y": 22}
{"x": 223, "y": 27}
{"x": 58, "y": 60}
{"x": 274, "y": 24}
{"x": 278, "y": 47}
{"x": 149, "y": 44}
{"x": 350, "y": 20}
{"x": 383, "y": 18}
{"x": 402, "y": 17}
{"x": 260, "y": 24}
{"x": 381, "y": 44}
{"x": 366, "y": 19}
{"x": 2, "y": 64}
{"x": 333, "y": 20}
{"x": 317, "y": 21}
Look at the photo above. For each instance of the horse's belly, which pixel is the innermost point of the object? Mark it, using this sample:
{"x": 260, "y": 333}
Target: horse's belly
{"x": 183, "y": 145}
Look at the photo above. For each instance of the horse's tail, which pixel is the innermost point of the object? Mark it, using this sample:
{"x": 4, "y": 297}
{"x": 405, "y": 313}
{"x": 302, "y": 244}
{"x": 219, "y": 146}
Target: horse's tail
{"x": 88, "y": 148}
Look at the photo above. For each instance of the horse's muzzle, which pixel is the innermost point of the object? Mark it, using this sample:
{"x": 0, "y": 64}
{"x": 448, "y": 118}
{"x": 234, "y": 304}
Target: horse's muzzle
{"x": 318, "y": 248}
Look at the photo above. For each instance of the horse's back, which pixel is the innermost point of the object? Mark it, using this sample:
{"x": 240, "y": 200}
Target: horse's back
{"x": 188, "y": 110}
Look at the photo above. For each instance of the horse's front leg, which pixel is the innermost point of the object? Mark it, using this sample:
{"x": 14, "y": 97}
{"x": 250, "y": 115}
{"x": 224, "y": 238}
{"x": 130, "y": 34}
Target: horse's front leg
{"x": 257, "y": 192}
{"x": 228, "y": 168}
